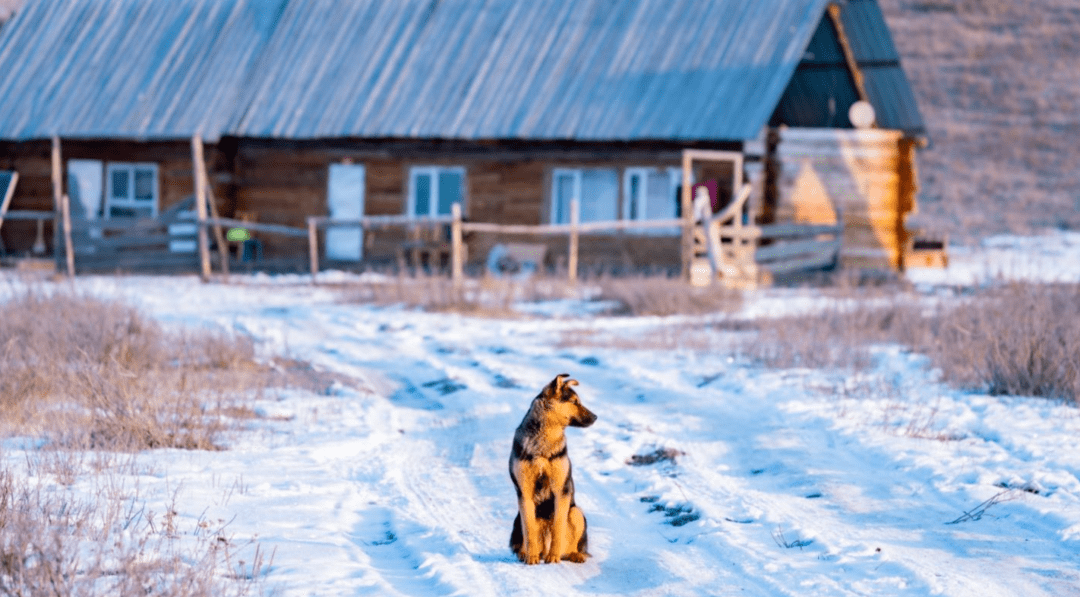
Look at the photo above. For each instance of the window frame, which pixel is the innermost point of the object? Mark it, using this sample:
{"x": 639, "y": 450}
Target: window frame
{"x": 557, "y": 207}
{"x": 674, "y": 178}
{"x": 433, "y": 205}
{"x": 130, "y": 202}
{"x": 578, "y": 174}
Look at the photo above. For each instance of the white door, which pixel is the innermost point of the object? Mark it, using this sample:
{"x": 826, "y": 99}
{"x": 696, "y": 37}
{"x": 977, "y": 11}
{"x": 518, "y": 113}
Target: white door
{"x": 345, "y": 197}
{"x": 86, "y": 189}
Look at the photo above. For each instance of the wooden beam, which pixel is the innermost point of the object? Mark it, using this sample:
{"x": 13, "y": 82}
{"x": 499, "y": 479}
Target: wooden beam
{"x": 687, "y": 204}
{"x": 219, "y": 235}
{"x": 62, "y": 205}
{"x": 8, "y": 195}
{"x": 457, "y": 247}
{"x": 313, "y": 247}
{"x": 199, "y": 173}
{"x": 572, "y": 260}
{"x": 849, "y": 54}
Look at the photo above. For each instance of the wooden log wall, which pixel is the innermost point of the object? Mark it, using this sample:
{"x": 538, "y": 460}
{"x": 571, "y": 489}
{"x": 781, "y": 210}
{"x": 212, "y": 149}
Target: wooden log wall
{"x": 284, "y": 183}
{"x": 865, "y": 177}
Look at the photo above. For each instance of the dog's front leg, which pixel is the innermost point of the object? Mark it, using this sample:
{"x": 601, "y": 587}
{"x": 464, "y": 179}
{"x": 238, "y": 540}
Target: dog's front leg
{"x": 559, "y": 530}
{"x": 527, "y": 509}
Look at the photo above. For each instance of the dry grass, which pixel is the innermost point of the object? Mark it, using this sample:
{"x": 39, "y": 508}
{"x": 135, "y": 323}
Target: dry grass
{"x": 666, "y": 296}
{"x": 491, "y": 297}
{"x": 95, "y": 380}
{"x": 86, "y": 373}
{"x": 1019, "y": 339}
{"x": 485, "y": 297}
{"x": 56, "y": 545}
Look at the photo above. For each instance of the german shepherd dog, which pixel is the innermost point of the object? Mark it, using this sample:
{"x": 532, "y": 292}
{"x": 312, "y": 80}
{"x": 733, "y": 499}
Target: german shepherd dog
{"x": 548, "y": 525}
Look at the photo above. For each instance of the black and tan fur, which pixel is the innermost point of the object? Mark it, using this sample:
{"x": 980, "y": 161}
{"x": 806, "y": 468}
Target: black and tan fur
{"x": 549, "y": 525}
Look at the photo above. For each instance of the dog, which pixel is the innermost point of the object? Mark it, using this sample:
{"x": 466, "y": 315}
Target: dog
{"x": 549, "y": 525}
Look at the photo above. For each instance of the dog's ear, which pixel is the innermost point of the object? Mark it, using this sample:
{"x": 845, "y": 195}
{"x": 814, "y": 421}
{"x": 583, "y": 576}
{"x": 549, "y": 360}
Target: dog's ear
{"x": 555, "y": 388}
{"x": 559, "y": 386}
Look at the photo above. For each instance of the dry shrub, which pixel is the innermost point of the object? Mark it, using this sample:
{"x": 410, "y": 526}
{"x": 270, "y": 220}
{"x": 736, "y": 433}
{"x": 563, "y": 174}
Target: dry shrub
{"x": 655, "y": 295}
{"x": 488, "y": 296}
{"x": 492, "y": 297}
{"x": 54, "y": 544}
{"x": 1020, "y": 339}
{"x": 837, "y": 336}
{"x": 88, "y": 373}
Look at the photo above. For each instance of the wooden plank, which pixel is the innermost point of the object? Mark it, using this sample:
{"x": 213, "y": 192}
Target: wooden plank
{"x": 143, "y": 260}
{"x": 135, "y": 241}
{"x": 199, "y": 173}
{"x": 261, "y": 227}
{"x": 746, "y": 233}
{"x": 807, "y": 263}
{"x": 572, "y": 261}
{"x": 799, "y": 248}
{"x": 219, "y": 236}
{"x": 63, "y": 205}
{"x": 313, "y": 247}
{"x": 457, "y": 247}
{"x": 26, "y": 214}
{"x": 8, "y": 195}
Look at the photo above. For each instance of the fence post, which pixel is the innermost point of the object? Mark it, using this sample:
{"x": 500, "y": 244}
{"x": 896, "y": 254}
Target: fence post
{"x": 572, "y": 259}
{"x": 313, "y": 246}
{"x": 456, "y": 246}
{"x": 686, "y": 202}
{"x": 200, "y": 204}
{"x": 62, "y": 204}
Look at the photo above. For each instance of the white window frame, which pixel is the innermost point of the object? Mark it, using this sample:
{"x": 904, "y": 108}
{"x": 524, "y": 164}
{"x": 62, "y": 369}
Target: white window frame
{"x": 557, "y": 209}
{"x": 433, "y": 205}
{"x": 130, "y": 201}
{"x": 674, "y": 176}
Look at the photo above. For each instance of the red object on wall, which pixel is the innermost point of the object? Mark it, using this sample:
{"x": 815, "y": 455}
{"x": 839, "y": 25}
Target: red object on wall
{"x": 713, "y": 188}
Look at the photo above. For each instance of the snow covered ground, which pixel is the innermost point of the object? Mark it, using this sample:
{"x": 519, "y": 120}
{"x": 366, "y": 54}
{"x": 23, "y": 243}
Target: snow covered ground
{"x": 768, "y": 482}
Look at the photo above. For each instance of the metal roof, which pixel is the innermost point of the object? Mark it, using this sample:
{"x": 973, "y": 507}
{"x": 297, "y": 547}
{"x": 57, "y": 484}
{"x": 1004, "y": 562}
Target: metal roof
{"x": 128, "y": 68}
{"x": 582, "y": 69}
{"x": 887, "y": 86}
{"x": 455, "y": 69}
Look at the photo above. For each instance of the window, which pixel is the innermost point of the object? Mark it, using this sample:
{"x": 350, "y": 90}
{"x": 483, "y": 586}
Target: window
{"x": 651, "y": 194}
{"x": 132, "y": 190}
{"x": 596, "y": 189}
{"x": 433, "y": 189}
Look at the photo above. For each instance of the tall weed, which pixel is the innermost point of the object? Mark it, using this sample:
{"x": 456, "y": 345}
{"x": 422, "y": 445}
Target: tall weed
{"x": 1018, "y": 339}
{"x": 87, "y": 373}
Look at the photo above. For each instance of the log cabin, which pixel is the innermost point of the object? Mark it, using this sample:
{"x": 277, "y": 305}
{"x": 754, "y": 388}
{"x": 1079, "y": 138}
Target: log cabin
{"x": 510, "y": 108}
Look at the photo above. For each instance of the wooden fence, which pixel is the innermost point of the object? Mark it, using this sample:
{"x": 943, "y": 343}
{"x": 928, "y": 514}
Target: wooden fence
{"x": 458, "y": 228}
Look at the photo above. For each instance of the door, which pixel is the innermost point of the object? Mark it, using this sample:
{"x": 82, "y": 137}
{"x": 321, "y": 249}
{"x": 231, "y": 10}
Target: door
{"x": 345, "y": 198}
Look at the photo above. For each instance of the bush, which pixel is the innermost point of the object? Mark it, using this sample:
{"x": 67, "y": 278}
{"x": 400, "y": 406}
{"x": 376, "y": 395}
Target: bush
{"x": 56, "y": 545}
{"x": 1020, "y": 339}
{"x": 87, "y": 373}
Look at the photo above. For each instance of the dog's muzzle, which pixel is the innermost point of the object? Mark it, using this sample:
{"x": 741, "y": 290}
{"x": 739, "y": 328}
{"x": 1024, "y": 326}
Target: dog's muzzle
{"x": 585, "y": 419}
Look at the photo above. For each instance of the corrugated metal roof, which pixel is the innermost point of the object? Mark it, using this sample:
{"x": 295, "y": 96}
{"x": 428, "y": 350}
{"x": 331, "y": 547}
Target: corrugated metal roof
{"x": 466, "y": 69}
{"x": 128, "y": 68}
{"x": 588, "y": 69}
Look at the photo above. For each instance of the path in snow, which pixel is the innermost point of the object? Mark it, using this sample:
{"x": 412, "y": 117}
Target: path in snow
{"x": 397, "y": 483}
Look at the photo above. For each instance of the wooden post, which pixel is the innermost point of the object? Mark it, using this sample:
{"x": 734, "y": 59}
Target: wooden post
{"x": 8, "y": 195}
{"x": 687, "y": 203}
{"x": 457, "y": 257}
{"x": 219, "y": 235}
{"x": 313, "y": 246}
{"x": 62, "y": 205}
{"x": 200, "y": 205}
{"x": 572, "y": 259}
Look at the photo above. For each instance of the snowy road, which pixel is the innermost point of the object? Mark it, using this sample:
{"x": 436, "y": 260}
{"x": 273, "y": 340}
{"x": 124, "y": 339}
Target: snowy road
{"x": 765, "y": 483}
{"x": 777, "y": 482}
